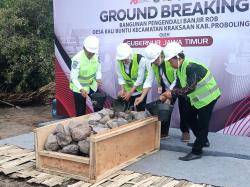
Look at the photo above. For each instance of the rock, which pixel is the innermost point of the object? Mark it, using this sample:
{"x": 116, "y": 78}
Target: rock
{"x": 100, "y": 129}
{"x": 139, "y": 115}
{"x": 51, "y": 143}
{"x": 73, "y": 124}
{"x": 94, "y": 117}
{"x": 59, "y": 128}
{"x": 71, "y": 149}
{"x": 126, "y": 116}
{"x": 104, "y": 119}
{"x": 63, "y": 139}
{"x": 92, "y": 122}
{"x": 80, "y": 132}
{"x": 84, "y": 146}
{"x": 121, "y": 121}
{"x": 63, "y": 135}
{"x": 105, "y": 112}
{"x": 111, "y": 123}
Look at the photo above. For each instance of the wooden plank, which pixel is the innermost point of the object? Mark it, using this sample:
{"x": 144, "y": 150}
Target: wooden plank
{"x": 158, "y": 135}
{"x": 64, "y": 156}
{"x": 122, "y": 148}
{"x": 124, "y": 180}
{"x": 15, "y": 156}
{"x": 57, "y": 180}
{"x": 80, "y": 184}
{"x": 6, "y": 147}
{"x": 146, "y": 182}
{"x": 92, "y": 166}
{"x": 40, "y": 178}
{"x": 10, "y": 152}
{"x": 171, "y": 183}
{"x": 28, "y": 157}
{"x": 163, "y": 180}
{"x": 13, "y": 169}
{"x": 123, "y": 129}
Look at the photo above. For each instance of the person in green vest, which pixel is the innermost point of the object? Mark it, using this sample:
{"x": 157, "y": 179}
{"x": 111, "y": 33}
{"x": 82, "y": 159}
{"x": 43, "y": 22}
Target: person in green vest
{"x": 85, "y": 74}
{"x": 131, "y": 72}
{"x": 159, "y": 68}
{"x": 195, "y": 82}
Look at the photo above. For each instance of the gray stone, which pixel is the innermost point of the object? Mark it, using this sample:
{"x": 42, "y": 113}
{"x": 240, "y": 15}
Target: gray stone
{"x": 71, "y": 149}
{"x": 105, "y": 112}
{"x": 139, "y": 115}
{"x": 93, "y": 122}
{"x": 84, "y": 146}
{"x": 97, "y": 129}
{"x": 63, "y": 139}
{"x": 63, "y": 135}
{"x": 59, "y": 129}
{"x": 80, "y": 132}
{"x": 51, "y": 143}
{"x": 94, "y": 117}
{"x": 121, "y": 121}
{"x": 104, "y": 119}
{"x": 112, "y": 123}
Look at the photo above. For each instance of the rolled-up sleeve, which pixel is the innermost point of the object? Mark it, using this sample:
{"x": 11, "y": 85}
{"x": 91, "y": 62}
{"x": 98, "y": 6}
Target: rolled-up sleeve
{"x": 74, "y": 74}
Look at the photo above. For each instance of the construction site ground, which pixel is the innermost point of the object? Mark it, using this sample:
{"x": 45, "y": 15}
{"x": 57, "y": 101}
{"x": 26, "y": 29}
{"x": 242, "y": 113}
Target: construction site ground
{"x": 225, "y": 163}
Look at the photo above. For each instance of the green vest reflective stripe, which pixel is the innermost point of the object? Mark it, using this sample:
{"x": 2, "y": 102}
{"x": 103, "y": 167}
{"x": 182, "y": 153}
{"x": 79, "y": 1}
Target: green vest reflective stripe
{"x": 87, "y": 72}
{"x": 169, "y": 73}
{"x": 206, "y": 89}
{"x": 131, "y": 78}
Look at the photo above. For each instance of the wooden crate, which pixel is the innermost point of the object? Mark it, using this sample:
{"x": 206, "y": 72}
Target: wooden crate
{"x": 110, "y": 151}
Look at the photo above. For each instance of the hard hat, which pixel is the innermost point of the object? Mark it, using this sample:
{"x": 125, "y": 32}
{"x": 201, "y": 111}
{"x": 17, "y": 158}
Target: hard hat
{"x": 171, "y": 50}
{"x": 91, "y": 44}
{"x": 123, "y": 51}
{"x": 152, "y": 52}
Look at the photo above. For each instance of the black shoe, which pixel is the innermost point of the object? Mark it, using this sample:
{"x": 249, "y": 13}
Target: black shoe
{"x": 164, "y": 136}
{"x": 207, "y": 144}
{"x": 190, "y": 156}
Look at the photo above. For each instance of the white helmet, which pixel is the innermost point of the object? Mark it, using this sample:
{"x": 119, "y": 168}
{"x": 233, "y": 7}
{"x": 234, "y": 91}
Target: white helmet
{"x": 152, "y": 52}
{"x": 91, "y": 44}
{"x": 123, "y": 51}
{"x": 172, "y": 49}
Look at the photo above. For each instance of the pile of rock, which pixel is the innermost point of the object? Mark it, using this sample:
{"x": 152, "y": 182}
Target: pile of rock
{"x": 72, "y": 138}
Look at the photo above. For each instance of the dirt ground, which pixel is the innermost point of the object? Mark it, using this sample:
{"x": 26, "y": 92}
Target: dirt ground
{"x": 15, "y": 121}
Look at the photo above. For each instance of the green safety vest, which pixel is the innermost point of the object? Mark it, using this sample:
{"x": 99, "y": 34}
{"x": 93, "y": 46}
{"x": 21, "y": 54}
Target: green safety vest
{"x": 131, "y": 78}
{"x": 169, "y": 73}
{"x": 206, "y": 89}
{"x": 87, "y": 72}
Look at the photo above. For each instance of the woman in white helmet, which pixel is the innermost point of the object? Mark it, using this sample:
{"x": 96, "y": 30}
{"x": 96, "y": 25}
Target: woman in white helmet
{"x": 195, "y": 82}
{"x": 131, "y": 75}
{"x": 85, "y": 75}
{"x": 161, "y": 69}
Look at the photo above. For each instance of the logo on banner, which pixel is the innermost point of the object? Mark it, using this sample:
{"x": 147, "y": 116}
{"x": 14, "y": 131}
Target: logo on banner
{"x": 135, "y": 2}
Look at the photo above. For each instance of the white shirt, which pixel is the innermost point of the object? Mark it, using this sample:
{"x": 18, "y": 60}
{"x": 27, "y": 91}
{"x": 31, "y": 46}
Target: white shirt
{"x": 140, "y": 77}
{"x": 74, "y": 73}
{"x": 150, "y": 78}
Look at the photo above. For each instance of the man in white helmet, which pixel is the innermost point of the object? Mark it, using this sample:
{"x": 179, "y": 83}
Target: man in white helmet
{"x": 194, "y": 82}
{"x": 161, "y": 69}
{"x": 85, "y": 75}
{"x": 131, "y": 75}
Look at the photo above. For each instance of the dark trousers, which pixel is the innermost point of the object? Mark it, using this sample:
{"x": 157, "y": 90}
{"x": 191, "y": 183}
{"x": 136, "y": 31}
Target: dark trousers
{"x": 183, "y": 122}
{"x": 183, "y": 115}
{"x": 198, "y": 120}
{"x": 141, "y": 106}
{"x": 80, "y": 104}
